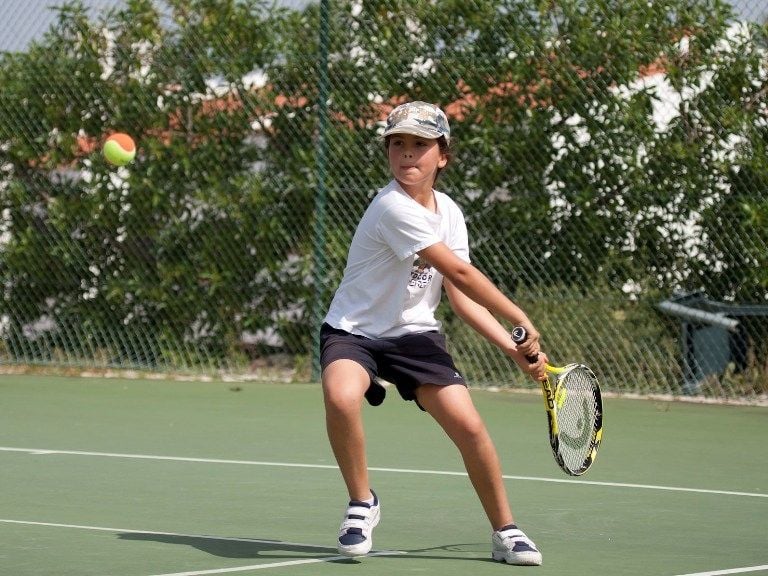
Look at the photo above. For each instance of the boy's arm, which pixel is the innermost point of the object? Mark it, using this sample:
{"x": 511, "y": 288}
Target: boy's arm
{"x": 485, "y": 324}
{"x": 476, "y": 299}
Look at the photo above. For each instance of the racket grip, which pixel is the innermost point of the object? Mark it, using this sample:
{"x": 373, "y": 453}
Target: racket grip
{"x": 520, "y": 335}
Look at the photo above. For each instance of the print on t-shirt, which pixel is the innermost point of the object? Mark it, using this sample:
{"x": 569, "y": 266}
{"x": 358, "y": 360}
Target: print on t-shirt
{"x": 421, "y": 274}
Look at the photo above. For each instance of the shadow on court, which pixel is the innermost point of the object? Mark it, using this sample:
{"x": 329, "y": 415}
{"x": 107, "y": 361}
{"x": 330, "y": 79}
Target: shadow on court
{"x": 245, "y": 548}
{"x": 473, "y": 552}
{"x": 234, "y": 547}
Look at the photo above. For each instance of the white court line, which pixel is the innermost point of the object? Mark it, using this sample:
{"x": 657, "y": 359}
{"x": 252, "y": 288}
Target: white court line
{"x": 129, "y": 531}
{"x": 290, "y": 562}
{"x": 729, "y": 571}
{"x": 274, "y": 565}
{"x": 45, "y": 451}
{"x": 218, "y": 538}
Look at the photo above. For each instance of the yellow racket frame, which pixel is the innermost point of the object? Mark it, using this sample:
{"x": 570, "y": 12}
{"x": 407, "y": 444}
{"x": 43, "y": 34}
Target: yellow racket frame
{"x": 554, "y": 397}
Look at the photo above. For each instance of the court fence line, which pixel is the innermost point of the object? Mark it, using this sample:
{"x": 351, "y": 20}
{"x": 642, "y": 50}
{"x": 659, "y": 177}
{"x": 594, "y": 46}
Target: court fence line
{"x": 607, "y": 158}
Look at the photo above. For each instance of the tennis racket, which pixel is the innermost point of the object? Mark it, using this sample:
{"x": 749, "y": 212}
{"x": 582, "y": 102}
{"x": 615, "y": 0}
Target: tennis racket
{"x": 574, "y": 412}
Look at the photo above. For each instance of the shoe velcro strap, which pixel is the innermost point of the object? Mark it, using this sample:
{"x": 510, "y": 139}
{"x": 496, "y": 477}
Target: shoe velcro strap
{"x": 359, "y": 511}
{"x": 512, "y": 533}
{"x": 355, "y": 523}
{"x": 516, "y": 535}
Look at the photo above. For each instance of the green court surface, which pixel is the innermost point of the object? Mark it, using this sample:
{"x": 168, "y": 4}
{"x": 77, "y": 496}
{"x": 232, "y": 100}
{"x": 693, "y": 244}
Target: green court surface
{"x": 144, "y": 478}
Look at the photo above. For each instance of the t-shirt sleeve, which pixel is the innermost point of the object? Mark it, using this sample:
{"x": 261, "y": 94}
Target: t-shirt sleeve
{"x": 459, "y": 242}
{"x": 406, "y": 231}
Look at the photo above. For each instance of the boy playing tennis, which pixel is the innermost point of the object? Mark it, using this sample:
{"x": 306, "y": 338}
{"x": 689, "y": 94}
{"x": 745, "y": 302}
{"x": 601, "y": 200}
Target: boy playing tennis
{"x": 411, "y": 241}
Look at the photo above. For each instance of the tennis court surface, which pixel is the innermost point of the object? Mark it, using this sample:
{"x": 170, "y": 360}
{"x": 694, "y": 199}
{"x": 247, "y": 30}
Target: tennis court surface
{"x": 147, "y": 478}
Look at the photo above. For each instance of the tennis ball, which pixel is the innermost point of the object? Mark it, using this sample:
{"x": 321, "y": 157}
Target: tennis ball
{"x": 119, "y": 149}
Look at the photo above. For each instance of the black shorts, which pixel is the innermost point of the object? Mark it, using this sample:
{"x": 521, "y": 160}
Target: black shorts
{"x": 406, "y": 361}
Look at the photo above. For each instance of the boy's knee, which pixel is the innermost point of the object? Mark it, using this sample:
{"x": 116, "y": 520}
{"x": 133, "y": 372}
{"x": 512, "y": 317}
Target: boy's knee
{"x": 474, "y": 428}
{"x": 342, "y": 398}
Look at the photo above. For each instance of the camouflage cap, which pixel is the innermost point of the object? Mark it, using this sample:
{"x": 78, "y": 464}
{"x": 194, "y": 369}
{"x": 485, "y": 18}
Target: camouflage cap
{"x": 420, "y": 119}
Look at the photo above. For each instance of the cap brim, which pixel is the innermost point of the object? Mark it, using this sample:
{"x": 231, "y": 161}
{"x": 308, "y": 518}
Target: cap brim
{"x": 415, "y": 131}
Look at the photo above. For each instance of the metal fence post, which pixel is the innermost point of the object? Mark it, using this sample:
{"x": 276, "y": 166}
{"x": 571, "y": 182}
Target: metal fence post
{"x": 320, "y": 196}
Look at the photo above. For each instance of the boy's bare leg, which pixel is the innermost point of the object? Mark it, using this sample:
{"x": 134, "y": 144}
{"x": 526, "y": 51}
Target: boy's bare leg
{"x": 452, "y": 407}
{"x": 344, "y": 386}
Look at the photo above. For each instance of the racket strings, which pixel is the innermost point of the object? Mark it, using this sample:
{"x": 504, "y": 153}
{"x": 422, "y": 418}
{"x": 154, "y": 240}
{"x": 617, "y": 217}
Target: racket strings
{"x": 577, "y": 412}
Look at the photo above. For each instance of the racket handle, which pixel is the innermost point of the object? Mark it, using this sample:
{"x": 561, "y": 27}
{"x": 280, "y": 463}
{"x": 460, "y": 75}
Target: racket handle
{"x": 520, "y": 335}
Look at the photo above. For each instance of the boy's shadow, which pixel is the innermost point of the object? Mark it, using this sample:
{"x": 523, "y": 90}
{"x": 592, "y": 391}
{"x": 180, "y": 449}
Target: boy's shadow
{"x": 233, "y": 547}
{"x": 253, "y": 548}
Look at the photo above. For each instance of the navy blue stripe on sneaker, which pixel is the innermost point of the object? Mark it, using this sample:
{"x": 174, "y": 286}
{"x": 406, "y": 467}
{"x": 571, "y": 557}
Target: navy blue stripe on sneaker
{"x": 523, "y": 547}
{"x": 353, "y": 536}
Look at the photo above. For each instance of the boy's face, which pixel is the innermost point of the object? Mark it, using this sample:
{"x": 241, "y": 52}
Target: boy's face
{"x": 414, "y": 160}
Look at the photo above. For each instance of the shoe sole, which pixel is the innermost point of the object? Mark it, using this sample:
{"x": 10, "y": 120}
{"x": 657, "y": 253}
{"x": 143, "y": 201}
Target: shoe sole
{"x": 364, "y": 547}
{"x": 520, "y": 560}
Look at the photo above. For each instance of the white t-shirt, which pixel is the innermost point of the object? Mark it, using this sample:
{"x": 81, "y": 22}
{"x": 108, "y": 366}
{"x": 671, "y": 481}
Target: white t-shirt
{"x": 387, "y": 290}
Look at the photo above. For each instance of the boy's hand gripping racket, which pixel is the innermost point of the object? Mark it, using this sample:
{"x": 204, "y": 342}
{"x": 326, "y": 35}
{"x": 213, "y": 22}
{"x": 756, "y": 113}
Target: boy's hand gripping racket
{"x": 574, "y": 412}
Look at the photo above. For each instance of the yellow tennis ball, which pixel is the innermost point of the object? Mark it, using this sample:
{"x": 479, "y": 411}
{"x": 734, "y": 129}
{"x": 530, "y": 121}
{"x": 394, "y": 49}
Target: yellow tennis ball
{"x": 119, "y": 149}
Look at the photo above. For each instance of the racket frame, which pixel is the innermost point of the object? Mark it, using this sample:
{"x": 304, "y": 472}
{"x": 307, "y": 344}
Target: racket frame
{"x": 550, "y": 391}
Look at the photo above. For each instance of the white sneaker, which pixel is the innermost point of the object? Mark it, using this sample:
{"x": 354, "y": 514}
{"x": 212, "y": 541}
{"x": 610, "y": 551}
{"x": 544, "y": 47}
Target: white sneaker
{"x": 512, "y": 546}
{"x": 356, "y": 532}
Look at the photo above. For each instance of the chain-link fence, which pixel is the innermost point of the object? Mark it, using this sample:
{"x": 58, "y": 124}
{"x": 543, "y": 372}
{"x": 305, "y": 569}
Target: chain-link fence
{"x": 610, "y": 158}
